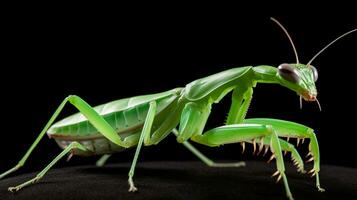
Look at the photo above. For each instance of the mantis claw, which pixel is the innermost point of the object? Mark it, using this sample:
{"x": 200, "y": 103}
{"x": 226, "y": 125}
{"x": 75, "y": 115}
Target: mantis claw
{"x": 320, "y": 189}
{"x": 132, "y": 187}
{"x": 13, "y": 189}
{"x": 19, "y": 187}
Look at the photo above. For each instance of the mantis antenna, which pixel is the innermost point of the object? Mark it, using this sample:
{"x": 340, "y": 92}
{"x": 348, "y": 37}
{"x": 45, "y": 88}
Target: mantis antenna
{"x": 343, "y": 35}
{"x": 287, "y": 34}
{"x": 323, "y": 49}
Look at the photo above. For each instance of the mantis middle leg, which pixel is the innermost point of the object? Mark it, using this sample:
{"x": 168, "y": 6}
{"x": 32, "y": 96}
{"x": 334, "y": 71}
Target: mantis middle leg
{"x": 285, "y": 146}
{"x": 144, "y": 134}
{"x": 103, "y": 159}
{"x": 204, "y": 158}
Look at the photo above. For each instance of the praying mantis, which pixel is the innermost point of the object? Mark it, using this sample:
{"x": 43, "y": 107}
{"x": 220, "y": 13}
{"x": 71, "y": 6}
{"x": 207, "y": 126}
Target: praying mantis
{"x": 148, "y": 119}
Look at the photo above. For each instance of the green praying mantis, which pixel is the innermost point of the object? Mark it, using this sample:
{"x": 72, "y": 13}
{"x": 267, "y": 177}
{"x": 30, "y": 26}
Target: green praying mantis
{"x": 148, "y": 119}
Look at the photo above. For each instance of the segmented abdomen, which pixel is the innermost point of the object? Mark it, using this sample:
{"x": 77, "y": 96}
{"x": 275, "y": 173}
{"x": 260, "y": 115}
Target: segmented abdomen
{"x": 126, "y": 116}
{"x": 96, "y": 146}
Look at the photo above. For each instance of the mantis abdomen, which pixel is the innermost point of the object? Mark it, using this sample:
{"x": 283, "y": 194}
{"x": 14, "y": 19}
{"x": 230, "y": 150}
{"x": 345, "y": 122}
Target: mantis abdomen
{"x": 126, "y": 116}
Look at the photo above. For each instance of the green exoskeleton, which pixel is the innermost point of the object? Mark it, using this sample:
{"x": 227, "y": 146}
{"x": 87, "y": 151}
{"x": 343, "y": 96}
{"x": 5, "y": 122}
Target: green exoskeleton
{"x": 148, "y": 119}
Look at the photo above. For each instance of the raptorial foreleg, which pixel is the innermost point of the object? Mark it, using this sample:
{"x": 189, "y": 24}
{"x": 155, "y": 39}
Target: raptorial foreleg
{"x": 247, "y": 132}
{"x": 294, "y": 130}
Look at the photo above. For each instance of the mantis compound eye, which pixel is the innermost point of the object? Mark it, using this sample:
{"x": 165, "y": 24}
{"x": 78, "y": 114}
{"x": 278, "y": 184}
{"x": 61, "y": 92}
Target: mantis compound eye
{"x": 288, "y": 73}
{"x": 314, "y": 72}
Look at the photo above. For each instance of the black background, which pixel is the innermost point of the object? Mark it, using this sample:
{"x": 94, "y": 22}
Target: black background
{"x": 105, "y": 54}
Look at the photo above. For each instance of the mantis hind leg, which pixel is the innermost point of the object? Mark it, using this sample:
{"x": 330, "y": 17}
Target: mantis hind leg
{"x": 294, "y": 130}
{"x": 205, "y": 159}
{"x": 70, "y": 147}
{"x": 39, "y": 137}
{"x": 94, "y": 118}
{"x": 247, "y": 132}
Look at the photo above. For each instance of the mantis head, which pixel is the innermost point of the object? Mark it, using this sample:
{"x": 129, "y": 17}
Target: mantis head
{"x": 299, "y": 77}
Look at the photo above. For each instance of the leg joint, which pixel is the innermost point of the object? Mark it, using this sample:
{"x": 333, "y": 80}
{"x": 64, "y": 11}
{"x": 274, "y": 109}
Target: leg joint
{"x": 131, "y": 173}
{"x": 72, "y": 98}
{"x": 269, "y": 128}
{"x": 310, "y": 132}
{"x": 75, "y": 144}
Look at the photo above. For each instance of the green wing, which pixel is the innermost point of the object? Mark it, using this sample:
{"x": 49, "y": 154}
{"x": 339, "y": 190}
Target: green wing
{"x": 201, "y": 88}
{"x": 117, "y": 106}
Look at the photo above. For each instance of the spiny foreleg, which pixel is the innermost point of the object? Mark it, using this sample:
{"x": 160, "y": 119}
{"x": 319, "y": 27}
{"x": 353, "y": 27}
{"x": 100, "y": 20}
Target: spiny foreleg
{"x": 247, "y": 132}
{"x": 262, "y": 144}
{"x": 294, "y": 130}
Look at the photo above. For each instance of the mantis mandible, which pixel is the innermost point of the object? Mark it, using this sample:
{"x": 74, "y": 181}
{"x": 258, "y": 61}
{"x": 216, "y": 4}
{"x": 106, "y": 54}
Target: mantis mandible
{"x": 148, "y": 119}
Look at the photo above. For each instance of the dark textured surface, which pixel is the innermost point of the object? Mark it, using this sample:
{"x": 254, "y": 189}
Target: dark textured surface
{"x": 182, "y": 180}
